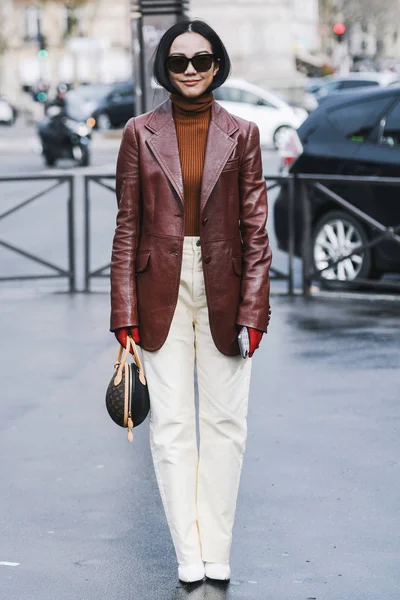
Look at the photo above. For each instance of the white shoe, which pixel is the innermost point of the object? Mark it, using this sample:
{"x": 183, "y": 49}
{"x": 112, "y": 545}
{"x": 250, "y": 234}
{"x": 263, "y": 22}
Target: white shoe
{"x": 191, "y": 573}
{"x": 218, "y": 571}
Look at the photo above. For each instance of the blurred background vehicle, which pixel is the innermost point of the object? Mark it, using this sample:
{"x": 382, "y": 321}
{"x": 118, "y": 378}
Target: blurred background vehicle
{"x": 115, "y": 109}
{"x": 348, "y": 134}
{"x": 109, "y": 104}
{"x": 8, "y": 113}
{"x": 81, "y": 102}
{"x": 274, "y": 117}
{"x": 317, "y": 91}
{"x": 63, "y": 137}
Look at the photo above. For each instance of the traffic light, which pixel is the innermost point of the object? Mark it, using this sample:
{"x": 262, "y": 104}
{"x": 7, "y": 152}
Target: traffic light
{"x": 339, "y": 29}
{"x": 42, "y": 52}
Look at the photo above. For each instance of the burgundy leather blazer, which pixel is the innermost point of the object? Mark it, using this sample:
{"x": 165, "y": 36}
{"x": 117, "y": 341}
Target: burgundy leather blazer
{"x": 147, "y": 247}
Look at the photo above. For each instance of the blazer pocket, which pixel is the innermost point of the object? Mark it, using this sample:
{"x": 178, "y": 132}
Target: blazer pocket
{"x": 231, "y": 165}
{"x": 237, "y": 264}
{"x": 142, "y": 260}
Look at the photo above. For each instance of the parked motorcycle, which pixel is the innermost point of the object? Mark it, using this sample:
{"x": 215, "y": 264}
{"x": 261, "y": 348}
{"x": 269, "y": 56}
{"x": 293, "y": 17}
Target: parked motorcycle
{"x": 63, "y": 137}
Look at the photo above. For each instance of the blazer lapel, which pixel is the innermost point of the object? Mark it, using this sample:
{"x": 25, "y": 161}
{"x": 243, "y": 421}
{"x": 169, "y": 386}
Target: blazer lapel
{"x": 218, "y": 149}
{"x": 164, "y": 145}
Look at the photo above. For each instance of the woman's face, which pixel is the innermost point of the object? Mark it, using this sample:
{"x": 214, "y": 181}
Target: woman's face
{"x": 191, "y": 83}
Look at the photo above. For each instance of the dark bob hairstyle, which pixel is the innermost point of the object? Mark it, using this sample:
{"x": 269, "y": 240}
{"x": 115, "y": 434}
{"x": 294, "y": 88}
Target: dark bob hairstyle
{"x": 160, "y": 69}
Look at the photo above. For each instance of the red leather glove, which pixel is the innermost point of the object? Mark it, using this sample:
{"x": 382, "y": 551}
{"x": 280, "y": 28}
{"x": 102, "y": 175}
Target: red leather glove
{"x": 122, "y": 333}
{"x": 255, "y": 336}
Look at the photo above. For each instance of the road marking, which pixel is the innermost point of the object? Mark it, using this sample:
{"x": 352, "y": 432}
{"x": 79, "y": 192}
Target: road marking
{"x": 8, "y": 564}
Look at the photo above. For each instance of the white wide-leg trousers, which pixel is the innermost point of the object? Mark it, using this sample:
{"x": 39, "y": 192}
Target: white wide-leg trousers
{"x": 198, "y": 487}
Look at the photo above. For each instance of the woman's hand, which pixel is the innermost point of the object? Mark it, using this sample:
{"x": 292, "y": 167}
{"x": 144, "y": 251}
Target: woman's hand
{"x": 255, "y": 336}
{"x": 122, "y": 333}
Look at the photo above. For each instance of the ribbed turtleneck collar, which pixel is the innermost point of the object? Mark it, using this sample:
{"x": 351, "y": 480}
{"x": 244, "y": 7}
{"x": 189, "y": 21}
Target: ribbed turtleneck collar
{"x": 190, "y": 107}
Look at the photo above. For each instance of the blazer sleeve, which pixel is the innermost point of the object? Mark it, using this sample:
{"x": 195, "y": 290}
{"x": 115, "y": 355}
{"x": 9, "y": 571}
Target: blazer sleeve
{"x": 125, "y": 242}
{"x": 254, "y": 308}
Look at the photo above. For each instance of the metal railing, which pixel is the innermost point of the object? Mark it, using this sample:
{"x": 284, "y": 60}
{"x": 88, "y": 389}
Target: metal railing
{"x": 56, "y": 270}
{"x": 103, "y": 271}
{"x": 288, "y": 182}
{"x": 298, "y": 189}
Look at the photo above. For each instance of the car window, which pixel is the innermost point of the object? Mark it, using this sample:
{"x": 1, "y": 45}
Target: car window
{"x": 250, "y": 98}
{"x": 124, "y": 92}
{"x": 90, "y": 92}
{"x": 391, "y": 132}
{"x": 330, "y": 86}
{"x": 312, "y": 89}
{"x": 124, "y": 88}
{"x": 228, "y": 94}
{"x": 356, "y": 83}
{"x": 357, "y": 120}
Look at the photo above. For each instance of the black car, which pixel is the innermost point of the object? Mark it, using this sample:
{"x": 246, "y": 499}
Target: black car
{"x": 349, "y": 134}
{"x": 117, "y": 107}
{"x": 108, "y": 104}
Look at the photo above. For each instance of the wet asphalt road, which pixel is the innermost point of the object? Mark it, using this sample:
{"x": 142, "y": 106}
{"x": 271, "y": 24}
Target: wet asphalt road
{"x": 318, "y": 509}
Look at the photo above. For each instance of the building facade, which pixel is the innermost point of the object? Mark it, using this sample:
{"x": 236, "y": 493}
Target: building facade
{"x": 263, "y": 36}
{"x": 88, "y": 44}
{"x": 93, "y": 42}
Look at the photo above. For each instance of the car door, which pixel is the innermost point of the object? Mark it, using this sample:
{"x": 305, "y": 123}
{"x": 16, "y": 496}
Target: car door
{"x": 352, "y": 150}
{"x": 379, "y": 156}
{"x": 387, "y": 151}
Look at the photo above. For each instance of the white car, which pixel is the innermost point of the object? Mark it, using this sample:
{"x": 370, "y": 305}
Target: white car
{"x": 274, "y": 117}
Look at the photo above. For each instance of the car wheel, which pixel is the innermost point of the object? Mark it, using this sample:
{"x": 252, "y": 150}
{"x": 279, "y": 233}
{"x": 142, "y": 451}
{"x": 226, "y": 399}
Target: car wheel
{"x": 336, "y": 235}
{"x": 103, "y": 122}
{"x": 281, "y": 135}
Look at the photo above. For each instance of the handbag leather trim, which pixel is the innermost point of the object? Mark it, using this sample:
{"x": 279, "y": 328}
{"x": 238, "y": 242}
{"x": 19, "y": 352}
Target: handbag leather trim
{"x": 126, "y": 395}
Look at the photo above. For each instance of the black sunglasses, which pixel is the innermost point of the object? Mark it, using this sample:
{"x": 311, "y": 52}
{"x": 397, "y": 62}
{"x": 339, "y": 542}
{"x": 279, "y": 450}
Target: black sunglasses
{"x": 200, "y": 62}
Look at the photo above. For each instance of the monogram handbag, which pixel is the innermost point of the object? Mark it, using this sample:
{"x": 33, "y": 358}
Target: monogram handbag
{"x": 127, "y": 396}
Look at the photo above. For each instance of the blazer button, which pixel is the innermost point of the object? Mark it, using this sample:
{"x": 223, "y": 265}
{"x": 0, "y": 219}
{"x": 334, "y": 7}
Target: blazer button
{"x": 205, "y": 221}
{"x": 207, "y": 259}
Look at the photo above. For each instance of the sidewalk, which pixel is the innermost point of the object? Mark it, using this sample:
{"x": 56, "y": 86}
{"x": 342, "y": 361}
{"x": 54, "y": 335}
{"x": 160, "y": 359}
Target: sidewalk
{"x": 318, "y": 510}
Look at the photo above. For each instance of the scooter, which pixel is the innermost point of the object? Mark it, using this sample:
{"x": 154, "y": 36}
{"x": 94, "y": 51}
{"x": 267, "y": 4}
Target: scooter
{"x": 63, "y": 137}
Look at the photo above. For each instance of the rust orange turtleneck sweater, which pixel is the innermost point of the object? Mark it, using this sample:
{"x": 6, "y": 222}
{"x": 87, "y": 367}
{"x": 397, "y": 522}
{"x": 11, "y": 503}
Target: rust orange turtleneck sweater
{"x": 192, "y": 119}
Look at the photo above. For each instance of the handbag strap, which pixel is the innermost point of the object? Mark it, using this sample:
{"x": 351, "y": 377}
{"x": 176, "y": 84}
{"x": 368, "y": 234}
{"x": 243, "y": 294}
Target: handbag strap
{"x": 123, "y": 357}
{"x": 138, "y": 362}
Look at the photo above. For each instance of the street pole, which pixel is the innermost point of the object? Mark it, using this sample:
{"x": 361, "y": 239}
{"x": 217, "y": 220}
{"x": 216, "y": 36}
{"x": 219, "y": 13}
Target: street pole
{"x": 149, "y": 20}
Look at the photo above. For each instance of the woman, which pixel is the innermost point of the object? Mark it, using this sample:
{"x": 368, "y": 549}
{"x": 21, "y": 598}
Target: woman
{"x": 190, "y": 269}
